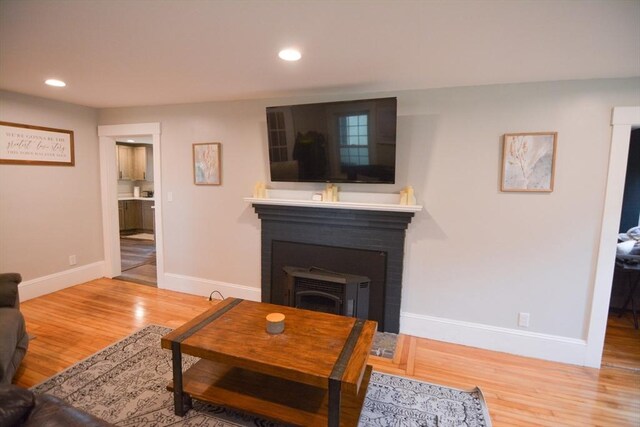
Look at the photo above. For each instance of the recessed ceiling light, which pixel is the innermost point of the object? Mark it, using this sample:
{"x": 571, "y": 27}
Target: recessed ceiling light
{"x": 130, "y": 140}
{"x": 54, "y": 82}
{"x": 290, "y": 54}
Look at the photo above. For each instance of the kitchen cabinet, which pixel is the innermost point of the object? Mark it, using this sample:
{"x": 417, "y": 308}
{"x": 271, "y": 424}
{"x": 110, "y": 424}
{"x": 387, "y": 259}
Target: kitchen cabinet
{"x": 121, "y": 209}
{"x": 135, "y": 163}
{"x": 130, "y": 216}
{"x": 149, "y": 163}
{"x": 148, "y": 215}
{"x": 137, "y": 215}
{"x": 139, "y": 163}
{"x": 125, "y": 162}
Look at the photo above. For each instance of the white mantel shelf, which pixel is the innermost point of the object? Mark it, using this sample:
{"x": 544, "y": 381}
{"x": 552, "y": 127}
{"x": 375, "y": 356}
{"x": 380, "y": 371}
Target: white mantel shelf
{"x": 357, "y": 201}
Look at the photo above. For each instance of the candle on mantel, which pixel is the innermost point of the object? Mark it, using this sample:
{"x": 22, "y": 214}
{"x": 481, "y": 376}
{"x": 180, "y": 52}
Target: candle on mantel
{"x": 407, "y": 196}
{"x": 403, "y": 197}
{"x": 411, "y": 198}
{"x": 259, "y": 190}
{"x": 330, "y": 193}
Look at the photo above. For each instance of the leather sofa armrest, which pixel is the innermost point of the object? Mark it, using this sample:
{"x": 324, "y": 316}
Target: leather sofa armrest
{"x": 15, "y": 404}
{"x": 9, "y": 290}
{"x": 50, "y": 411}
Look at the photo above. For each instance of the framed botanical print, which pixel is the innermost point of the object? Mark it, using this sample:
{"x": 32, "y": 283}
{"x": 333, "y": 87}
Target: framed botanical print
{"x": 206, "y": 163}
{"x": 528, "y": 161}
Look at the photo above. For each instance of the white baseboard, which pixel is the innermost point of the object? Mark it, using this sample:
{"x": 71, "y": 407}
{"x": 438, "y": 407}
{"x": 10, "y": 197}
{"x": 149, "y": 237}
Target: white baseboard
{"x": 522, "y": 343}
{"x": 54, "y": 282}
{"x": 204, "y": 287}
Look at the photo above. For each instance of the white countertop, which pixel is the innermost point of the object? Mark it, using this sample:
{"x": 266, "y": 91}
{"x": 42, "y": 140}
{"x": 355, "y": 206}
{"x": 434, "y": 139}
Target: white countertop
{"x": 127, "y": 197}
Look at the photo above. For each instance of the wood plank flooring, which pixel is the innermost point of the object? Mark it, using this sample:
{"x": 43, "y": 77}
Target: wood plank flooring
{"x": 71, "y": 324}
{"x": 622, "y": 343}
{"x": 138, "y": 260}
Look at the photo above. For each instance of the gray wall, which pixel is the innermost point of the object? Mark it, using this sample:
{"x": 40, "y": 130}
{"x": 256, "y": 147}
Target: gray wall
{"x": 48, "y": 213}
{"x": 473, "y": 254}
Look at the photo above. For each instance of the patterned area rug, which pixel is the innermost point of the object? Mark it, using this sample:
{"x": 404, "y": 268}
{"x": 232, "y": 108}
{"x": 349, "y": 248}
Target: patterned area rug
{"x": 125, "y": 384}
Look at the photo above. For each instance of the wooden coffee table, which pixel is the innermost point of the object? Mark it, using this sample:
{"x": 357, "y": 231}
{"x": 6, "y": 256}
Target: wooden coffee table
{"x": 314, "y": 373}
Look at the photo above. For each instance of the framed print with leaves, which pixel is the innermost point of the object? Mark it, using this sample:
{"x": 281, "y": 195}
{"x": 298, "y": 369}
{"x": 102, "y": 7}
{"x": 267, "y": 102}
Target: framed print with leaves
{"x": 206, "y": 163}
{"x": 528, "y": 161}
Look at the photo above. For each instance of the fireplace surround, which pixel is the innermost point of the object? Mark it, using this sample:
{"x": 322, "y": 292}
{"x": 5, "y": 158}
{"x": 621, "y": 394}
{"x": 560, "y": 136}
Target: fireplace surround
{"x": 379, "y": 232}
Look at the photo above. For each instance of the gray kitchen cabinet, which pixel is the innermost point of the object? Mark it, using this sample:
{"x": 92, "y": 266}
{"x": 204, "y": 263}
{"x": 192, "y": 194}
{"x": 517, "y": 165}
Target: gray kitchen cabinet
{"x": 121, "y": 209}
{"x": 130, "y": 215}
{"x": 148, "y": 215}
{"x": 136, "y": 216}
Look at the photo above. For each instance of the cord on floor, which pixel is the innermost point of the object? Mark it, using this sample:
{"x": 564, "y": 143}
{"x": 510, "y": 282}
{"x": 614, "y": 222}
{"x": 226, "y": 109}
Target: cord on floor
{"x": 215, "y": 292}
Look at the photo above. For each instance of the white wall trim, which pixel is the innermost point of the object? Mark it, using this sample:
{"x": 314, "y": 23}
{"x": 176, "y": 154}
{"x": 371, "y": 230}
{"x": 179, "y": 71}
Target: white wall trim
{"x": 57, "y": 281}
{"x": 129, "y": 129}
{"x": 626, "y": 116}
{"x": 110, "y": 219}
{"x": 524, "y": 343}
{"x": 622, "y": 120}
{"x": 109, "y": 188}
{"x": 204, "y": 287}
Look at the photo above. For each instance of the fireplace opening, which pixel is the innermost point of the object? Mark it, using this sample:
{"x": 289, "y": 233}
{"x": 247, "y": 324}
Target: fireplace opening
{"x": 319, "y": 289}
{"x": 346, "y": 281}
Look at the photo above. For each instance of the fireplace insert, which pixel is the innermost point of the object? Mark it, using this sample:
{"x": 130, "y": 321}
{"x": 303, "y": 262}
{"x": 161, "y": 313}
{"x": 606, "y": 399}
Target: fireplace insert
{"x": 318, "y": 289}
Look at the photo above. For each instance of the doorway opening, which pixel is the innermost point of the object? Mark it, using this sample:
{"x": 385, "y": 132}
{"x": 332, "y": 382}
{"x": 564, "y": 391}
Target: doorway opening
{"x": 622, "y": 338}
{"x": 131, "y": 202}
{"x": 623, "y": 120}
{"x": 136, "y": 205}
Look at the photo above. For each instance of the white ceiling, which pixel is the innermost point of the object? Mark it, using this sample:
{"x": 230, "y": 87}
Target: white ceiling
{"x": 141, "y": 52}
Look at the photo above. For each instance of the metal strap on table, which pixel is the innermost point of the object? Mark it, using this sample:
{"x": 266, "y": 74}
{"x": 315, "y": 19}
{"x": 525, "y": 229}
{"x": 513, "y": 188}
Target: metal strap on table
{"x": 335, "y": 379}
{"x": 181, "y": 402}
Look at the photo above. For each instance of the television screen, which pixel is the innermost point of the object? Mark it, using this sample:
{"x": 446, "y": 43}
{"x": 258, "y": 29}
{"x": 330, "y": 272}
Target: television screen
{"x": 348, "y": 141}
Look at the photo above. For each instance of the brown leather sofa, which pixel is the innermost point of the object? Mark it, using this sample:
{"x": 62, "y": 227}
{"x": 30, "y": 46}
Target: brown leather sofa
{"x": 13, "y": 333}
{"x": 20, "y": 407}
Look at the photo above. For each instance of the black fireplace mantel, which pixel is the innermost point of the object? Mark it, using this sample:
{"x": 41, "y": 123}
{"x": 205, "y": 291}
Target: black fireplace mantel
{"x": 375, "y": 230}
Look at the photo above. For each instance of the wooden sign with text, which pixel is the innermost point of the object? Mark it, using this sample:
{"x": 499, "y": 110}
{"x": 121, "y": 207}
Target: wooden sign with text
{"x": 35, "y": 145}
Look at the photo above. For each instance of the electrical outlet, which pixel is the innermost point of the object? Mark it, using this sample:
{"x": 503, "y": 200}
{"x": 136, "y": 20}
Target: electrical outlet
{"x": 170, "y": 196}
{"x": 72, "y": 260}
{"x": 523, "y": 320}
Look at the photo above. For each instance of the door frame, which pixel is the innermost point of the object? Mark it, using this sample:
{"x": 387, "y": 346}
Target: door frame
{"x": 623, "y": 120}
{"x": 109, "y": 184}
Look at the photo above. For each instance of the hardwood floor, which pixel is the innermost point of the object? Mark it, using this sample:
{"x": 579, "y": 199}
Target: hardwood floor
{"x": 138, "y": 260}
{"x": 71, "y": 324}
{"x": 622, "y": 343}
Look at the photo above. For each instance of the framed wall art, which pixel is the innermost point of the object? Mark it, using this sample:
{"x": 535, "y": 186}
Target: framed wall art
{"x": 528, "y": 161}
{"x": 35, "y": 145}
{"x": 206, "y": 163}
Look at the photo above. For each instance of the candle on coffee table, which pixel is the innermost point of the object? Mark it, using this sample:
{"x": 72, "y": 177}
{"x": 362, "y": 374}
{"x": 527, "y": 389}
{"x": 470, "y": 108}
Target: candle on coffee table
{"x": 275, "y": 323}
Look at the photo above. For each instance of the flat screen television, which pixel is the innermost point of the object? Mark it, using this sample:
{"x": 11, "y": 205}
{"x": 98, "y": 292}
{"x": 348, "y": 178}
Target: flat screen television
{"x": 341, "y": 142}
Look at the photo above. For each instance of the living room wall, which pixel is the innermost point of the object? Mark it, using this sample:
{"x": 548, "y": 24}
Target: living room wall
{"x": 475, "y": 257}
{"x": 48, "y": 213}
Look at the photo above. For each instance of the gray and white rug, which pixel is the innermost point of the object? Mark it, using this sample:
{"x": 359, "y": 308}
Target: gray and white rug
{"x": 125, "y": 384}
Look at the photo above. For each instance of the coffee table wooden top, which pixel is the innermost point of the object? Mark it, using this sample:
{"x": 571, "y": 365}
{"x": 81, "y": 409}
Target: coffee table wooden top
{"x": 313, "y": 347}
